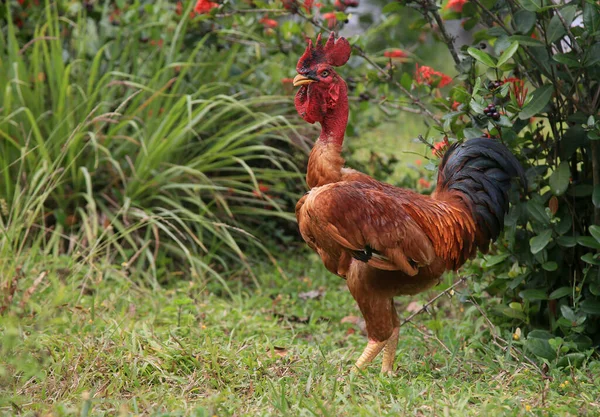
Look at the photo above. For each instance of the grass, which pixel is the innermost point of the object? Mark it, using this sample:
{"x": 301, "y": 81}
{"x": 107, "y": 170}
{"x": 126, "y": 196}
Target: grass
{"x": 95, "y": 341}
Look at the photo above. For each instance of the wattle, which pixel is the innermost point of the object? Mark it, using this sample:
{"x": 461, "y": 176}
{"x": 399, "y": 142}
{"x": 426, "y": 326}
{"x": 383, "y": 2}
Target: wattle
{"x": 308, "y": 105}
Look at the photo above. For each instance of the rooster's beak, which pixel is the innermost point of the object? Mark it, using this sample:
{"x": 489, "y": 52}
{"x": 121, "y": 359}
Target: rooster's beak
{"x": 301, "y": 80}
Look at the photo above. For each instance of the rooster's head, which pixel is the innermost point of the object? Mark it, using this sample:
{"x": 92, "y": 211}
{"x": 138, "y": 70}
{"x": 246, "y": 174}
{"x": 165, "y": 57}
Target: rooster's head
{"x": 320, "y": 86}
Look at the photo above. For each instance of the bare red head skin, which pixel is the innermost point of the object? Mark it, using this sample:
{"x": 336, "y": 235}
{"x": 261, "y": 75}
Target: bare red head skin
{"x": 323, "y": 95}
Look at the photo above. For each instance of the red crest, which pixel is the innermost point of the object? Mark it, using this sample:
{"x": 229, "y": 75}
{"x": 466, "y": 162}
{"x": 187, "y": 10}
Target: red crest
{"x": 335, "y": 52}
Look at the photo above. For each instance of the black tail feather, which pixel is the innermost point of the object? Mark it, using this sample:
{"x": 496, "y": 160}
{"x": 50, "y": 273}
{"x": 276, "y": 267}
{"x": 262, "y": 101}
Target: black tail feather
{"x": 481, "y": 171}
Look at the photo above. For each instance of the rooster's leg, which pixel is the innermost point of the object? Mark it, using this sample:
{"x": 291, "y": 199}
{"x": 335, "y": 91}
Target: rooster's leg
{"x": 389, "y": 352}
{"x": 371, "y": 351}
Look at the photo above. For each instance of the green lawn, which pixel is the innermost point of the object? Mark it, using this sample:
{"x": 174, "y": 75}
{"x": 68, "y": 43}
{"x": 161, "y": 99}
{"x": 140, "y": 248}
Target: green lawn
{"x": 93, "y": 340}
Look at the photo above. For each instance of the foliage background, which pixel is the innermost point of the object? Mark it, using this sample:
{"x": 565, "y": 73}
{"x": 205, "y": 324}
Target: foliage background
{"x": 146, "y": 144}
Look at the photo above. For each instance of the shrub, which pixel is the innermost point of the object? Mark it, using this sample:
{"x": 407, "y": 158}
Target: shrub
{"x": 157, "y": 156}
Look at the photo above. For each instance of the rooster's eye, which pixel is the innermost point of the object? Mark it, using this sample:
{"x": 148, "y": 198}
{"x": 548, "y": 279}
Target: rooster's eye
{"x": 325, "y": 73}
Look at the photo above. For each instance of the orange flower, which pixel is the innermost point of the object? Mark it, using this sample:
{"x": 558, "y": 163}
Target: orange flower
{"x": 331, "y": 19}
{"x": 395, "y": 53}
{"x": 418, "y": 162}
{"x": 456, "y": 5}
{"x": 427, "y": 75}
{"x": 204, "y": 6}
{"x": 439, "y": 148}
{"x": 424, "y": 183}
{"x": 269, "y": 23}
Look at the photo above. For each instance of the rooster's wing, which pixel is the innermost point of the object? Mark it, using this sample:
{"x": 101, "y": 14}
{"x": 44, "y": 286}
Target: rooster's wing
{"x": 346, "y": 220}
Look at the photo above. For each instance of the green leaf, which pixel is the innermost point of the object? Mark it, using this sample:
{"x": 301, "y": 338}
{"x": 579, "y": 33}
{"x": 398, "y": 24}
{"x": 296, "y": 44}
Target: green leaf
{"x": 526, "y": 40}
{"x": 574, "y": 359}
{"x": 560, "y": 293}
{"x": 567, "y": 241}
{"x": 559, "y": 180}
{"x": 595, "y": 231}
{"x": 482, "y": 57}
{"x": 495, "y": 259}
{"x": 568, "y": 313}
{"x": 555, "y": 30}
{"x": 392, "y": 7}
{"x": 590, "y": 258}
{"x": 540, "y": 348}
{"x": 508, "y": 53}
{"x": 581, "y": 190}
{"x": 531, "y": 5}
{"x": 524, "y": 21}
{"x": 533, "y": 295}
{"x": 570, "y": 59}
{"x": 590, "y": 306}
{"x": 539, "y": 99}
{"x": 511, "y": 312}
{"x": 550, "y": 266}
{"x": 593, "y": 55}
{"x": 596, "y": 196}
{"x": 539, "y": 242}
{"x": 568, "y": 13}
{"x": 472, "y": 133}
{"x": 588, "y": 242}
{"x": 537, "y": 212}
{"x": 591, "y": 17}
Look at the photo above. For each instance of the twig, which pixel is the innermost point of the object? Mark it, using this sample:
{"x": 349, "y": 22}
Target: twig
{"x": 568, "y": 29}
{"x": 28, "y": 293}
{"x": 31, "y": 42}
{"x": 259, "y": 11}
{"x": 516, "y": 353}
{"x": 433, "y": 300}
{"x": 422, "y": 139}
{"x": 449, "y": 40}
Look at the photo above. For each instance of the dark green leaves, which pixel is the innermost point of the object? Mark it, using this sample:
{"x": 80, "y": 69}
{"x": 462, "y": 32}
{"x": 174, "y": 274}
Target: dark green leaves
{"x": 539, "y": 100}
{"x": 524, "y": 21}
{"x": 596, "y": 196}
{"x": 591, "y": 17}
{"x": 508, "y": 53}
{"x": 482, "y": 57}
{"x": 539, "y": 242}
{"x": 555, "y": 30}
{"x": 531, "y": 5}
{"x": 559, "y": 180}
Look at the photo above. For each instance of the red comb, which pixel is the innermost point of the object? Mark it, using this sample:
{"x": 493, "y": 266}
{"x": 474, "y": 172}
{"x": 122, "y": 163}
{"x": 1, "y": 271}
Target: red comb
{"x": 334, "y": 52}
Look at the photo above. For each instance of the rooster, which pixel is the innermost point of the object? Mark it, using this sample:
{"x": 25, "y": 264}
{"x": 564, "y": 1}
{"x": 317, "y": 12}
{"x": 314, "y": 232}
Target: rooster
{"x": 388, "y": 241}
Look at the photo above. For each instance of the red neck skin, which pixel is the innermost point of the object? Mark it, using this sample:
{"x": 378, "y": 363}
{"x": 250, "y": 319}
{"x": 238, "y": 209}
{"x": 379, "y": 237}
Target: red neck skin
{"x": 335, "y": 120}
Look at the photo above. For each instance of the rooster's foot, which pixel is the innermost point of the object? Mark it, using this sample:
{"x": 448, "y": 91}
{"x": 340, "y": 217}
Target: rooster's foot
{"x": 389, "y": 352}
{"x": 371, "y": 351}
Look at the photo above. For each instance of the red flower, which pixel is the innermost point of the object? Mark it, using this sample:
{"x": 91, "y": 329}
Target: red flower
{"x": 308, "y": 5}
{"x": 342, "y": 5}
{"x": 395, "y": 53}
{"x": 290, "y": 5}
{"x": 331, "y": 19}
{"x": 424, "y": 183}
{"x": 179, "y": 8}
{"x": 518, "y": 90}
{"x": 455, "y": 105}
{"x": 456, "y": 5}
{"x": 427, "y": 75}
{"x": 269, "y": 23}
{"x": 439, "y": 148}
{"x": 418, "y": 162}
{"x": 204, "y": 6}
